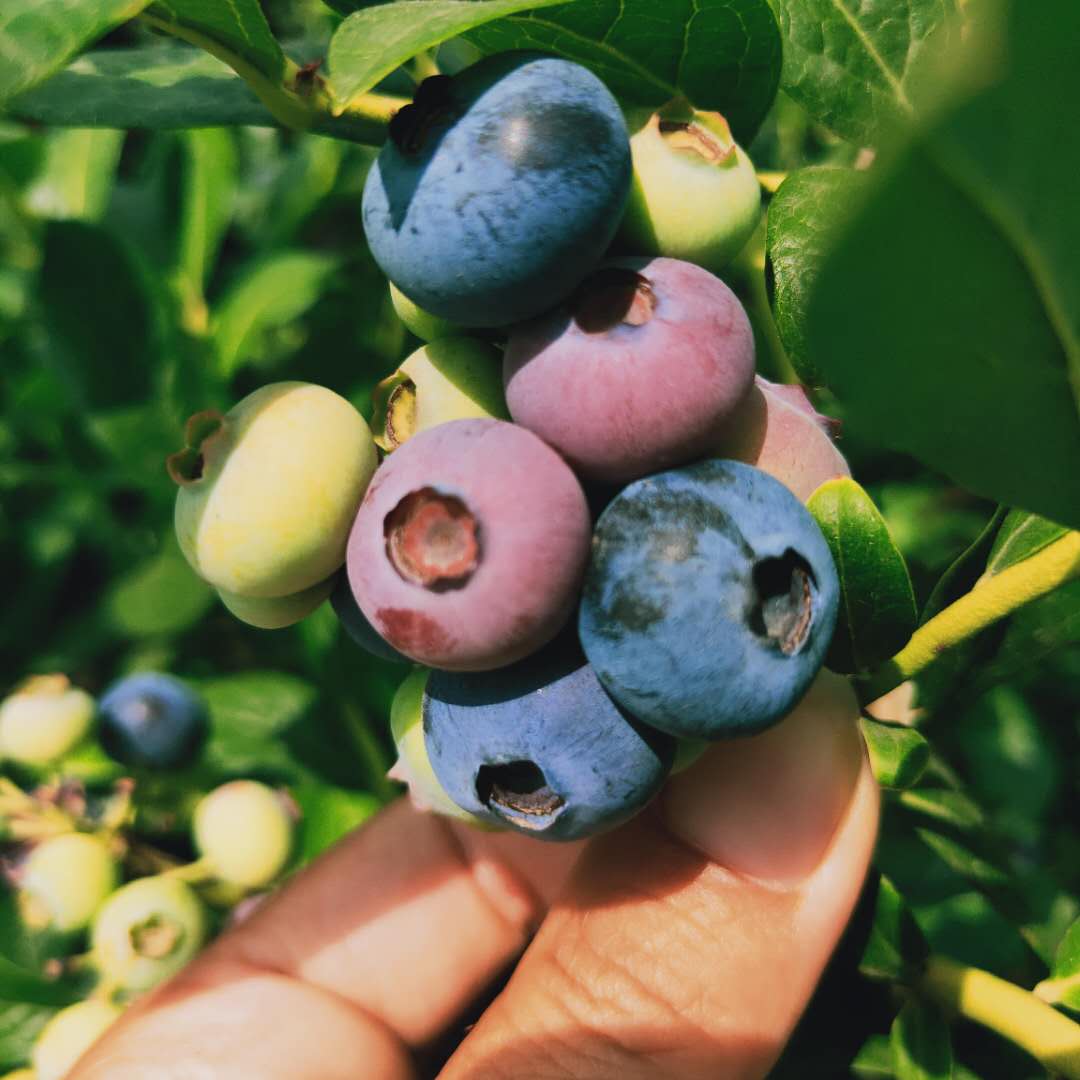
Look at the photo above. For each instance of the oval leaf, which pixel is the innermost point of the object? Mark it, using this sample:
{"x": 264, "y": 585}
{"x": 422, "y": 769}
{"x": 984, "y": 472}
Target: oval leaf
{"x": 898, "y": 754}
{"x": 371, "y": 43}
{"x": 948, "y": 316}
{"x": 1021, "y": 536}
{"x": 160, "y": 87}
{"x": 804, "y": 214}
{"x": 1063, "y": 986}
{"x": 921, "y": 1044}
{"x": 38, "y": 39}
{"x": 896, "y": 946}
{"x": 877, "y": 612}
{"x": 849, "y": 64}
{"x": 722, "y": 55}
{"x": 238, "y": 25}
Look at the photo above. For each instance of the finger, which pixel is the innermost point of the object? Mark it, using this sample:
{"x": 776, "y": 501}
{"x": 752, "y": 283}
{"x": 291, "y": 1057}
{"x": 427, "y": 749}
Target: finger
{"x": 369, "y": 953}
{"x": 689, "y": 942}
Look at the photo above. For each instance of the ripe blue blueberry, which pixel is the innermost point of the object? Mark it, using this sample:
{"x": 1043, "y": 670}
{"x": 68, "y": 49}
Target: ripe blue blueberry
{"x": 499, "y": 188}
{"x": 710, "y": 600}
{"x": 356, "y": 625}
{"x": 540, "y": 747}
{"x": 152, "y": 721}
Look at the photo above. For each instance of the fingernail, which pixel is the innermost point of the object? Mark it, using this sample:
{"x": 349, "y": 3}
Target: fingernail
{"x": 768, "y": 806}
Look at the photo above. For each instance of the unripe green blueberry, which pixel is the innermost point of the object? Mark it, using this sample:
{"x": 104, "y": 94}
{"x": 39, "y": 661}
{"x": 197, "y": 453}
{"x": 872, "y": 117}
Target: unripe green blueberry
{"x": 275, "y": 612}
{"x": 423, "y": 324}
{"x": 65, "y": 880}
{"x": 695, "y": 195}
{"x": 245, "y": 831}
{"x": 413, "y": 766}
{"x": 44, "y": 719}
{"x": 269, "y": 491}
{"x": 454, "y": 378}
{"x": 147, "y": 931}
{"x": 68, "y": 1035}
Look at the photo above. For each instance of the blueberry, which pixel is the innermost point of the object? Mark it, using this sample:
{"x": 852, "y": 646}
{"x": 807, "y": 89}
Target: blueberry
{"x": 468, "y": 550}
{"x": 68, "y": 1035}
{"x": 147, "y": 931}
{"x": 710, "y": 600}
{"x": 637, "y": 372}
{"x": 356, "y": 625}
{"x": 44, "y": 719}
{"x": 540, "y": 746}
{"x": 152, "y": 721}
{"x": 499, "y": 188}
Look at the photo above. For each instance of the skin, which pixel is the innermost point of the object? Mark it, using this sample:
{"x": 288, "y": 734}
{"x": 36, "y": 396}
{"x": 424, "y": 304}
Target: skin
{"x": 686, "y": 943}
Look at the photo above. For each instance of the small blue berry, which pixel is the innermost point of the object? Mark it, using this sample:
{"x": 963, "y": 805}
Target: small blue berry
{"x": 152, "y": 721}
{"x": 540, "y": 747}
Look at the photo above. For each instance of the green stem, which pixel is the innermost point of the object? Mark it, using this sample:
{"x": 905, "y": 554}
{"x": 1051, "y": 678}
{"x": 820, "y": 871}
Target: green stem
{"x": 1014, "y": 1013}
{"x": 296, "y": 102}
{"x": 991, "y": 599}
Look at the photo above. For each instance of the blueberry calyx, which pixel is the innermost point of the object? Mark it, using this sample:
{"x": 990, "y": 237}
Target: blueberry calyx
{"x": 431, "y": 539}
{"x": 432, "y": 107}
{"x": 156, "y": 937}
{"x": 188, "y": 465}
{"x": 785, "y": 609}
{"x": 614, "y": 296}
{"x": 519, "y": 792}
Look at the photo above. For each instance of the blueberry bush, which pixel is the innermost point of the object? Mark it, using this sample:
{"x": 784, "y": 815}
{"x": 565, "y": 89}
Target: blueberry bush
{"x": 204, "y": 368}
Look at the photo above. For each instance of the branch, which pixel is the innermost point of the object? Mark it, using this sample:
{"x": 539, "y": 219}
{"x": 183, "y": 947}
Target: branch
{"x": 1015, "y": 1013}
{"x": 991, "y": 599}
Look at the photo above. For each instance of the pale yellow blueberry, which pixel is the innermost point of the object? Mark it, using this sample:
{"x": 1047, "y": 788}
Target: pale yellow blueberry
{"x": 268, "y": 492}
{"x": 454, "y": 378}
{"x": 147, "y": 931}
{"x": 44, "y": 719}
{"x": 68, "y": 1035}
{"x": 65, "y": 880}
{"x": 275, "y": 612}
{"x": 245, "y": 832}
{"x": 423, "y": 324}
{"x": 694, "y": 195}
{"x": 413, "y": 766}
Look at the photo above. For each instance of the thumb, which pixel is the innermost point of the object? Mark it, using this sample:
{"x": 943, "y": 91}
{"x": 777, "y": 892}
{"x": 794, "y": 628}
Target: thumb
{"x": 689, "y": 942}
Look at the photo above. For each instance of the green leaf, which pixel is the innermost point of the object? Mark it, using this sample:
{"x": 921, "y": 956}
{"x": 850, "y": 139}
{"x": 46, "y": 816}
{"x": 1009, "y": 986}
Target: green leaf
{"x": 39, "y": 38}
{"x": 722, "y": 55}
{"x": 874, "y": 1059}
{"x": 807, "y": 209}
{"x": 160, "y": 87}
{"x": 77, "y": 177}
{"x": 238, "y": 25}
{"x": 877, "y": 602}
{"x": 947, "y": 319}
{"x": 850, "y": 64}
{"x": 961, "y": 576}
{"x": 896, "y": 946}
{"x": 208, "y": 186}
{"x": 250, "y": 713}
{"x": 330, "y": 813}
{"x": 99, "y": 312}
{"x": 1063, "y": 986}
{"x": 257, "y": 704}
{"x": 921, "y": 1044}
{"x": 1021, "y": 536}
{"x": 18, "y": 984}
{"x": 271, "y": 293}
{"x": 953, "y": 808}
{"x": 898, "y": 754}
{"x": 20, "y": 1023}
{"x": 161, "y": 596}
{"x": 372, "y": 43}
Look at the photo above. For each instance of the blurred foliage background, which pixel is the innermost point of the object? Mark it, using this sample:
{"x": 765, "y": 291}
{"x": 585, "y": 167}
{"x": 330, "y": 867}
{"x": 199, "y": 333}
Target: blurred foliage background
{"x": 144, "y": 276}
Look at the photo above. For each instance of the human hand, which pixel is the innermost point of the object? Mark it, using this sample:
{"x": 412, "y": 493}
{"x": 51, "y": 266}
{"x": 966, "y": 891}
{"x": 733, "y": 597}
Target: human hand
{"x": 684, "y": 944}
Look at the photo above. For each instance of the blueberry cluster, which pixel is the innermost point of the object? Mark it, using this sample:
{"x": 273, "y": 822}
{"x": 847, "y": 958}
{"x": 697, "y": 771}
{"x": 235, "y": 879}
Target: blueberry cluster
{"x": 88, "y": 877}
{"x": 586, "y": 524}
